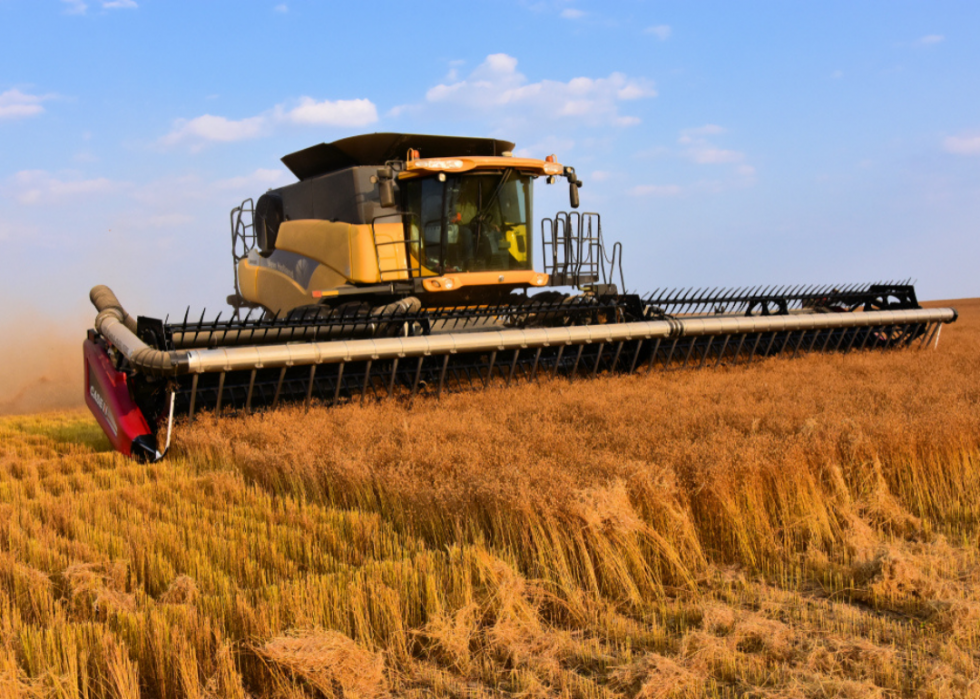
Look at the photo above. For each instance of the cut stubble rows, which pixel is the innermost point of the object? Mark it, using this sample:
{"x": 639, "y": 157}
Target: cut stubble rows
{"x": 802, "y": 527}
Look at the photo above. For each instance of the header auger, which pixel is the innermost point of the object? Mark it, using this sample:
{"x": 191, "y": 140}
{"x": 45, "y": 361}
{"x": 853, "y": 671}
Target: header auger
{"x": 402, "y": 265}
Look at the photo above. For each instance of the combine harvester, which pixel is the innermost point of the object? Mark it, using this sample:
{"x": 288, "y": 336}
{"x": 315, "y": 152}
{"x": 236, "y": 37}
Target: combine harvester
{"x": 402, "y": 265}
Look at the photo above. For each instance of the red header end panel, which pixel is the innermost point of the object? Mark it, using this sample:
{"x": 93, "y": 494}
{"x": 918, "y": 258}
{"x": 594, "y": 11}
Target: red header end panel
{"x": 107, "y": 396}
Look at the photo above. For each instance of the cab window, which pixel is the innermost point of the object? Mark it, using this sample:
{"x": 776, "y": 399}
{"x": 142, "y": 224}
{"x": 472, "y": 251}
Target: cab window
{"x": 470, "y": 223}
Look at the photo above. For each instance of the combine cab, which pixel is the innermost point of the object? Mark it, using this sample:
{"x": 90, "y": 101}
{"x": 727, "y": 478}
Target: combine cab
{"x": 404, "y": 264}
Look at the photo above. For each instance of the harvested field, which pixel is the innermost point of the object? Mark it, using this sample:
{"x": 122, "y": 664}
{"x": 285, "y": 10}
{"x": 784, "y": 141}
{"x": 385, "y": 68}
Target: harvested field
{"x": 794, "y": 528}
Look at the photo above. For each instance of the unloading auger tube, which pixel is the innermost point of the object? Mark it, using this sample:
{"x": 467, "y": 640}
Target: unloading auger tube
{"x": 124, "y": 362}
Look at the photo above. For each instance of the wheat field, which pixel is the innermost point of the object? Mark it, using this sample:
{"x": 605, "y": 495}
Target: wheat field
{"x": 793, "y": 528}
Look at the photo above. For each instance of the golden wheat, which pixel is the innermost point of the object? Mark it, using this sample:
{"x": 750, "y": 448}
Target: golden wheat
{"x": 802, "y": 527}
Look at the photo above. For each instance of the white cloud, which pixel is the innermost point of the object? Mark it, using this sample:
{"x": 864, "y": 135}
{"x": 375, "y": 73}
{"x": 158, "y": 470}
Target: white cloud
{"x": 79, "y": 7}
{"x": 496, "y": 85}
{"x": 209, "y": 128}
{"x": 656, "y": 190}
{"x": 400, "y": 109}
{"x": 360, "y": 112}
{"x": 572, "y": 13}
{"x": 15, "y": 104}
{"x": 701, "y": 151}
{"x": 708, "y": 155}
{"x": 281, "y": 8}
{"x": 930, "y": 40}
{"x": 962, "y": 145}
{"x": 632, "y": 91}
{"x": 30, "y": 187}
{"x": 661, "y": 31}
{"x": 690, "y": 135}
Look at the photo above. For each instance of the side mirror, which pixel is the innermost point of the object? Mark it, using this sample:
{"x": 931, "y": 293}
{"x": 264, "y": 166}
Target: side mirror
{"x": 573, "y": 184}
{"x": 386, "y": 187}
{"x": 387, "y": 191}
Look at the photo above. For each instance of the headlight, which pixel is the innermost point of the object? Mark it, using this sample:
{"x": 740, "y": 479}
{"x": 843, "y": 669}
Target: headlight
{"x": 449, "y": 284}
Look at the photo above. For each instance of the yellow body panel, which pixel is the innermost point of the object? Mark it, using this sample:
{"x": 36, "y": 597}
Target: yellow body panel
{"x": 348, "y": 249}
{"x": 248, "y": 283}
{"x": 452, "y": 282}
{"x": 273, "y": 289}
{"x": 324, "y": 241}
{"x": 334, "y": 255}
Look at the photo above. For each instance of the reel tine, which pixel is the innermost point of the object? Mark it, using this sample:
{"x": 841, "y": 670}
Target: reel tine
{"x": 415, "y": 382}
{"x": 513, "y": 366}
{"x": 598, "y": 358}
{"x": 200, "y": 324}
{"x": 394, "y": 372}
{"x": 340, "y": 378}
{"x": 251, "y": 388}
{"x": 673, "y": 346}
{"x": 561, "y": 351}
{"x": 309, "y": 388}
{"x": 442, "y": 375}
{"x": 367, "y": 378}
{"x": 721, "y": 353}
{"x": 707, "y": 349}
{"x": 636, "y": 354}
{"x": 537, "y": 358}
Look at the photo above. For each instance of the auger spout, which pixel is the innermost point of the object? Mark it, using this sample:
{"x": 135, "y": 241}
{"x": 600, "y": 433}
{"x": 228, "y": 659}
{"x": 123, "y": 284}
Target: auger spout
{"x": 120, "y": 329}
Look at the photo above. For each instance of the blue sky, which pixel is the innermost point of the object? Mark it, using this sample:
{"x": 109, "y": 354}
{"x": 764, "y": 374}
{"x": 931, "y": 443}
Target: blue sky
{"x": 724, "y": 143}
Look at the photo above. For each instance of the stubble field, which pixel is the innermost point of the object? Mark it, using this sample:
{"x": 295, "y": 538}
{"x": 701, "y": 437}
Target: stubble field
{"x": 792, "y": 528}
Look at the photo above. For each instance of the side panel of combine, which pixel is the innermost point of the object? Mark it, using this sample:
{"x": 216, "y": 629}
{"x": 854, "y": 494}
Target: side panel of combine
{"x": 324, "y": 241}
{"x": 107, "y": 396}
{"x": 280, "y": 282}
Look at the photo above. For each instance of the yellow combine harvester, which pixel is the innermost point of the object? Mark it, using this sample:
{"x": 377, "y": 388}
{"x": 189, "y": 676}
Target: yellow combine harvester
{"x": 450, "y": 229}
{"x": 404, "y": 264}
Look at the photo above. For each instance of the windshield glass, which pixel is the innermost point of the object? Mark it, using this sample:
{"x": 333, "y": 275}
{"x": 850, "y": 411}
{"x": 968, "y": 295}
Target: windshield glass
{"x": 470, "y": 223}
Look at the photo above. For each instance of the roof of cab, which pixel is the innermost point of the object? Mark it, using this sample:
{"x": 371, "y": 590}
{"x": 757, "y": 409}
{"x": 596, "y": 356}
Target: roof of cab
{"x": 378, "y": 148}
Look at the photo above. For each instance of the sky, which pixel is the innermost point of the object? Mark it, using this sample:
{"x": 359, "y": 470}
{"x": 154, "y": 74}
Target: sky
{"x": 723, "y": 143}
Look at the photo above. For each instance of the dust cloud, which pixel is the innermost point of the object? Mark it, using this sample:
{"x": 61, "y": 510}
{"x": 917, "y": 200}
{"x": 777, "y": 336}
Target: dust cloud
{"x": 40, "y": 365}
